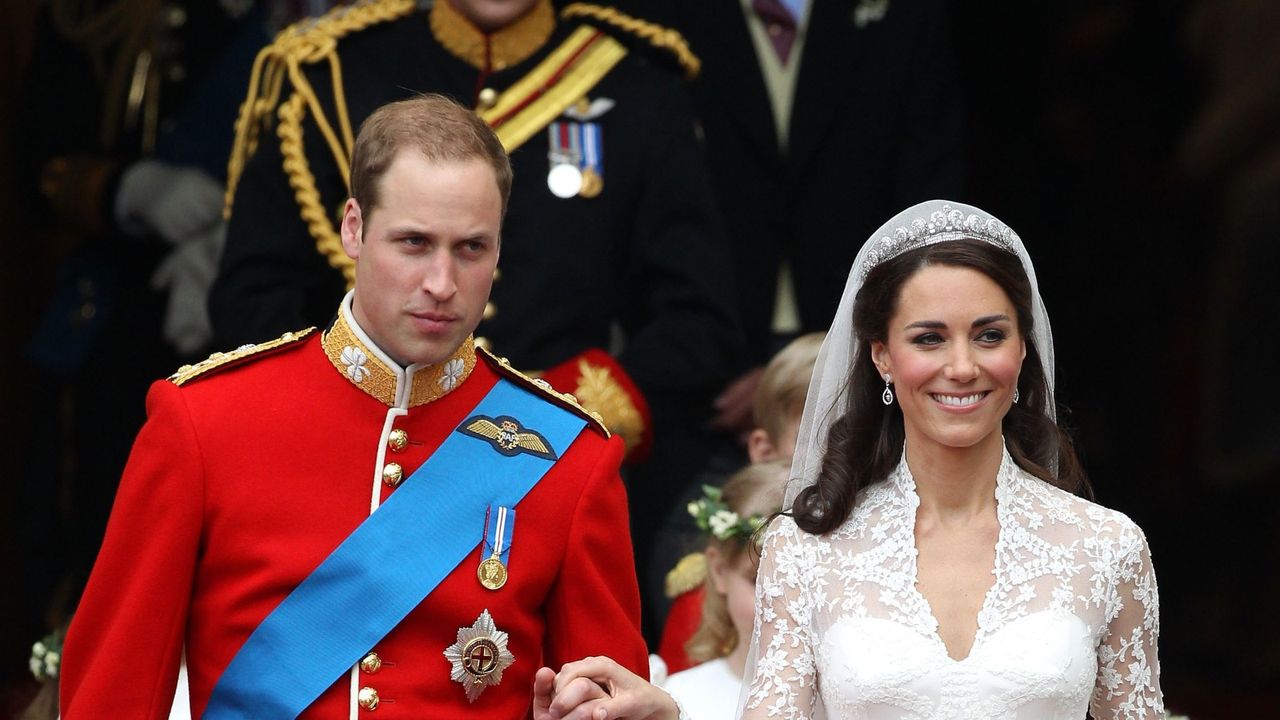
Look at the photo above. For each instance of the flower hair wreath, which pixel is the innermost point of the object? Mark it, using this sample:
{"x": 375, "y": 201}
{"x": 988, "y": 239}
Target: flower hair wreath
{"x": 713, "y": 516}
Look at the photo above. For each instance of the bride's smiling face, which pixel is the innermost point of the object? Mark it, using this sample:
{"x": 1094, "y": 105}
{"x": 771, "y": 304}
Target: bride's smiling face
{"x": 953, "y": 352}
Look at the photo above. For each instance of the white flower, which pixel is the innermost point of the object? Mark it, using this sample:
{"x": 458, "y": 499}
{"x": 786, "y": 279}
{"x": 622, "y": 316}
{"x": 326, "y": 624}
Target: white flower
{"x": 452, "y": 374}
{"x": 354, "y": 358}
{"x": 693, "y": 508}
{"x": 722, "y": 522}
{"x": 869, "y": 11}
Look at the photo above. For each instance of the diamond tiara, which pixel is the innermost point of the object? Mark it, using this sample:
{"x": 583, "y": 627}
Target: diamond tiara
{"x": 941, "y": 226}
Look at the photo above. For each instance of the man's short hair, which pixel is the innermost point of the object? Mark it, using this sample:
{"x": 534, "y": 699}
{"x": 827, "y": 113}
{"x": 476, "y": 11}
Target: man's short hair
{"x": 438, "y": 128}
{"x": 785, "y": 383}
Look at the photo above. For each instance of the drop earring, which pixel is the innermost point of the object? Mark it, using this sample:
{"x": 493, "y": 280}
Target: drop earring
{"x": 886, "y": 397}
{"x": 1015, "y": 396}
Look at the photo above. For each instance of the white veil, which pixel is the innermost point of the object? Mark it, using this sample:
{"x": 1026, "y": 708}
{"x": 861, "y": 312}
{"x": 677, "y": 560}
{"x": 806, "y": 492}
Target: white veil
{"x": 929, "y": 222}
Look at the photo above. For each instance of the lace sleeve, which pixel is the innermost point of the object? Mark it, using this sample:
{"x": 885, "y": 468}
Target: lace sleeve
{"x": 780, "y": 676}
{"x": 1128, "y": 684}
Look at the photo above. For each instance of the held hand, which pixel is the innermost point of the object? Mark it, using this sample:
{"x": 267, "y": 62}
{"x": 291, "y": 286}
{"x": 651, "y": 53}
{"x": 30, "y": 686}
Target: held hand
{"x": 597, "y": 688}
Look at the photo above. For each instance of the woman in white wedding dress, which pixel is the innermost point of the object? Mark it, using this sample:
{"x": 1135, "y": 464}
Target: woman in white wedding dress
{"x": 936, "y": 562}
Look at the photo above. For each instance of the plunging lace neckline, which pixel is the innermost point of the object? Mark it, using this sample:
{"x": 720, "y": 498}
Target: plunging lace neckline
{"x": 906, "y": 484}
{"x": 1068, "y": 625}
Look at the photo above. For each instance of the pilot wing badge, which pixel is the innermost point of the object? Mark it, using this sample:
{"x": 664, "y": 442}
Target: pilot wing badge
{"x": 506, "y": 435}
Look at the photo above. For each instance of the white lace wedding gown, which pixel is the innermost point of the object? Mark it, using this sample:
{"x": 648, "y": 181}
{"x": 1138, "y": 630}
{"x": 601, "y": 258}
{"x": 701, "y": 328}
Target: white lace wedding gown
{"x": 1069, "y": 625}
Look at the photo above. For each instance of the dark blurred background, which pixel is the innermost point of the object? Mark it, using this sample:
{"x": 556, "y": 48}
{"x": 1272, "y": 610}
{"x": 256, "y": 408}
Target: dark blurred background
{"x": 1134, "y": 146}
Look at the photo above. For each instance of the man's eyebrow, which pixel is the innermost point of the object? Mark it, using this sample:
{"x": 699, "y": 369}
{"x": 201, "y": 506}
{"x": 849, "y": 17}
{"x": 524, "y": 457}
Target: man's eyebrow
{"x": 401, "y": 230}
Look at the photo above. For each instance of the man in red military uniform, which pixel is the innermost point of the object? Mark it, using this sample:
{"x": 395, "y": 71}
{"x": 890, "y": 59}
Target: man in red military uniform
{"x": 341, "y": 460}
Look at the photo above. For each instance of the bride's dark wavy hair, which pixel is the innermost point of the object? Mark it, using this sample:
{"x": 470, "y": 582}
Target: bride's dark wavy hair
{"x": 865, "y": 444}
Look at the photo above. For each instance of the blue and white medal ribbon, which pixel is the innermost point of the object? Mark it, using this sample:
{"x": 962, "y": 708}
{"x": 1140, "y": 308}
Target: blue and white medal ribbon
{"x": 499, "y": 525}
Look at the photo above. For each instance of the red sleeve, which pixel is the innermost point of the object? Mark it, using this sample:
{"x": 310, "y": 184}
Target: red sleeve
{"x": 122, "y": 651}
{"x": 594, "y": 605}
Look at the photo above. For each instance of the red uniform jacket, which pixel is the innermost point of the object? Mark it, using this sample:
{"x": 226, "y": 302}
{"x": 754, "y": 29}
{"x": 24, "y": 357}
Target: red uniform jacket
{"x": 254, "y": 466}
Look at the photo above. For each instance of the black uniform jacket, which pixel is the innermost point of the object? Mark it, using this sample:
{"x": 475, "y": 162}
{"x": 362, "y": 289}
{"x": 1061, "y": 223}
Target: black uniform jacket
{"x": 647, "y": 255}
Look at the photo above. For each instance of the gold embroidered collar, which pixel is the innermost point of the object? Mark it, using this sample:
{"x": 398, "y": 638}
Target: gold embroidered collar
{"x": 506, "y": 47}
{"x": 363, "y": 364}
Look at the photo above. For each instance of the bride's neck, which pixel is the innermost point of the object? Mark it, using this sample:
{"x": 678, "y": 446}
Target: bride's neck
{"x": 955, "y": 482}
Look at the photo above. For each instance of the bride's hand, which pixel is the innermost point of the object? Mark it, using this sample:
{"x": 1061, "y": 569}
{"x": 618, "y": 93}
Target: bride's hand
{"x": 597, "y": 688}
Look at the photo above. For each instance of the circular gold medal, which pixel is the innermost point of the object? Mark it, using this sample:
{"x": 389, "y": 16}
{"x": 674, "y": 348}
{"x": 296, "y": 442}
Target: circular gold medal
{"x": 592, "y": 183}
{"x": 492, "y": 573}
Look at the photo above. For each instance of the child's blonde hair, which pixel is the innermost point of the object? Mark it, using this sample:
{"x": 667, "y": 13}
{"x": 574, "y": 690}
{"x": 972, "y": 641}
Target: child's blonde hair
{"x": 784, "y": 384}
{"x": 753, "y": 490}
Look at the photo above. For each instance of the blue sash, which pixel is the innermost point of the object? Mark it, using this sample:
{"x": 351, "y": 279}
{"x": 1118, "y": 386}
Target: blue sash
{"x": 385, "y": 568}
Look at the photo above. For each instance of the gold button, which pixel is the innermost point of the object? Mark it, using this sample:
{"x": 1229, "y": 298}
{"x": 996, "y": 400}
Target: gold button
{"x": 368, "y": 698}
{"x": 483, "y": 343}
{"x": 488, "y": 98}
{"x": 397, "y": 440}
{"x": 490, "y": 310}
{"x": 371, "y": 664}
{"x": 391, "y": 474}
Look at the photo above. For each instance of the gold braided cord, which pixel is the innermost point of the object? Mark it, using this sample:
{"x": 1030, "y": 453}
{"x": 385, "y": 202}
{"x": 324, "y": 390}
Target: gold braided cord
{"x": 657, "y": 35}
{"x": 302, "y": 89}
{"x": 304, "y": 43}
{"x": 344, "y": 118}
{"x": 310, "y": 206}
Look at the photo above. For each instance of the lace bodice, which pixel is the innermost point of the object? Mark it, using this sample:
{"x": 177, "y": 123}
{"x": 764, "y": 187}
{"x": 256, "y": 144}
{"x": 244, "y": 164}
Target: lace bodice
{"x": 1070, "y": 623}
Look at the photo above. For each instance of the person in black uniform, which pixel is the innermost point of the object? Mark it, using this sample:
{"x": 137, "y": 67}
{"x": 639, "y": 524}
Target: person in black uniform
{"x": 820, "y": 117}
{"x": 611, "y": 222}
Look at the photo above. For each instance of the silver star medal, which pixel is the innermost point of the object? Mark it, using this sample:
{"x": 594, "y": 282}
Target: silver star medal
{"x": 479, "y": 656}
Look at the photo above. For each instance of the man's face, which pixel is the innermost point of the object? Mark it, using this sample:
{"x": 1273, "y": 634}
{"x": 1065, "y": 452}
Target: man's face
{"x": 492, "y": 15}
{"x": 425, "y": 258}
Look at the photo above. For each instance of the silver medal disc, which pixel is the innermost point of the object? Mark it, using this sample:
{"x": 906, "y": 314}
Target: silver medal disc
{"x": 564, "y": 180}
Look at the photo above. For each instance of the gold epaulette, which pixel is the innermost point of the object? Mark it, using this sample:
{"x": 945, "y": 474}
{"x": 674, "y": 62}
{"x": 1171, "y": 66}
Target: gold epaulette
{"x": 543, "y": 388}
{"x": 219, "y": 360}
{"x": 688, "y": 574}
{"x": 308, "y": 42}
{"x": 660, "y": 37}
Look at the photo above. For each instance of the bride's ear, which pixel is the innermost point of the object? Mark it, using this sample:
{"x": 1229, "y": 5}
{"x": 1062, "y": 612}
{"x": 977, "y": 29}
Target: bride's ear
{"x": 880, "y": 356}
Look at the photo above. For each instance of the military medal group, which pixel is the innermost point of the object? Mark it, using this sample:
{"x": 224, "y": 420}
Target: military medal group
{"x": 576, "y": 151}
{"x": 480, "y": 654}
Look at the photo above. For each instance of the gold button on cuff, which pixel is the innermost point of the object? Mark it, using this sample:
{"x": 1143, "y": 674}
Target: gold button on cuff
{"x": 391, "y": 474}
{"x": 397, "y": 440}
{"x": 487, "y": 99}
{"x": 490, "y": 310}
{"x": 368, "y": 698}
{"x": 371, "y": 663}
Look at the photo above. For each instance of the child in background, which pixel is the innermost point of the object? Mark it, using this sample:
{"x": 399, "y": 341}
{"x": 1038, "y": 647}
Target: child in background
{"x": 778, "y": 401}
{"x": 731, "y": 517}
{"x": 780, "y": 398}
